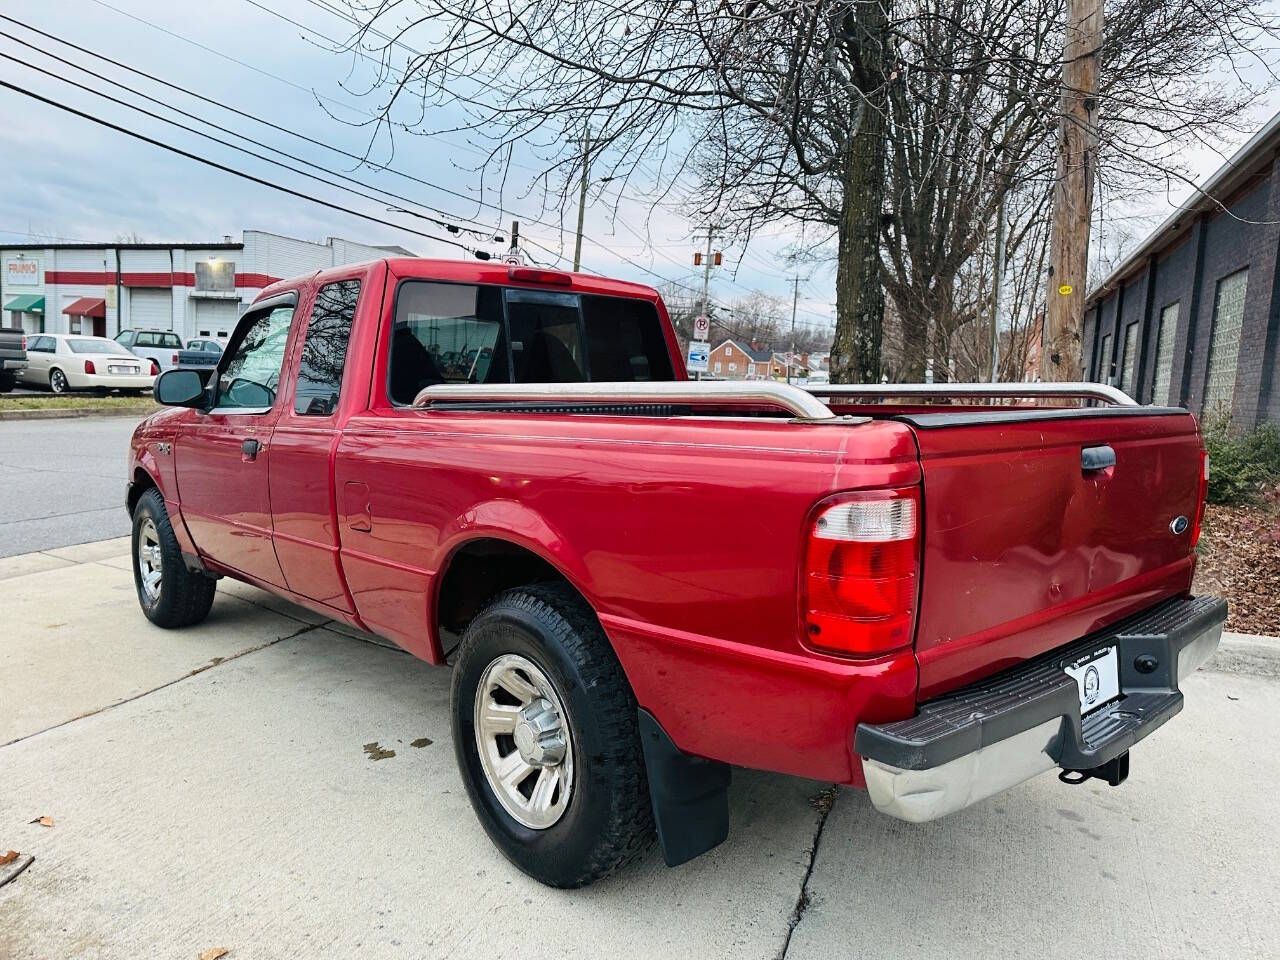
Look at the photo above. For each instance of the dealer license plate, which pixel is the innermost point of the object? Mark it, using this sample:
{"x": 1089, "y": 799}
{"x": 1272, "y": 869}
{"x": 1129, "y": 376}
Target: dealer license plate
{"x": 122, "y": 370}
{"x": 1097, "y": 674}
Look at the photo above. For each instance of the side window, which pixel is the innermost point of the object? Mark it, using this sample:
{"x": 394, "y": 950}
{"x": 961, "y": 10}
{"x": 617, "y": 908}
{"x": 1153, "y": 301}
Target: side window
{"x": 251, "y": 374}
{"x": 171, "y": 340}
{"x": 146, "y": 340}
{"x": 324, "y": 352}
{"x": 125, "y": 337}
{"x": 446, "y": 333}
{"x": 624, "y": 340}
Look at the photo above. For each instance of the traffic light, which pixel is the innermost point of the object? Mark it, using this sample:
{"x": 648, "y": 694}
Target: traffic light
{"x": 697, "y": 258}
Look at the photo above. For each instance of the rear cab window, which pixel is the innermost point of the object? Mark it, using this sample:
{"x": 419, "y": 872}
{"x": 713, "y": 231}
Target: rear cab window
{"x": 477, "y": 333}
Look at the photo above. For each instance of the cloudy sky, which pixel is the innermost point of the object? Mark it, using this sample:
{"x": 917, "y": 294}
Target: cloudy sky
{"x": 68, "y": 177}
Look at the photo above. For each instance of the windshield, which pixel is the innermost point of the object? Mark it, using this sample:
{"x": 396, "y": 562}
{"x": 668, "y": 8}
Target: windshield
{"x": 98, "y": 346}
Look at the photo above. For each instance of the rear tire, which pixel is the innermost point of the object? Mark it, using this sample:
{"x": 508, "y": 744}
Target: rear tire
{"x": 58, "y": 381}
{"x": 8, "y": 381}
{"x": 607, "y": 819}
{"x": 170, "y": 595}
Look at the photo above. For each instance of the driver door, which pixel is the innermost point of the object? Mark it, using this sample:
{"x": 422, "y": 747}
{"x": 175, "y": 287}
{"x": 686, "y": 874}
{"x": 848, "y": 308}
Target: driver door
{"x": 222, "y": 457}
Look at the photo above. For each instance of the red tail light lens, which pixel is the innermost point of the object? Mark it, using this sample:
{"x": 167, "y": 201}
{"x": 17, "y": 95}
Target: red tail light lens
{"x": 89, "y": 367}
{"x": 861, "y": 568}
{"x": 1204, "y": 495}
{"x": 155, "y": 369}
{"x": 175, "y": 359}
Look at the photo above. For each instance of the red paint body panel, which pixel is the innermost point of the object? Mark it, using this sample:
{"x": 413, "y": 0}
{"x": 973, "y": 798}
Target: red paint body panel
{"x": 359, "y": 515}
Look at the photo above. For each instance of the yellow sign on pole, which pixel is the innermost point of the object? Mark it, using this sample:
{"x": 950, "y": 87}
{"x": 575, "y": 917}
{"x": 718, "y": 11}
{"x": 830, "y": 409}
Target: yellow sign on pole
{"x": 1065, "y": 289}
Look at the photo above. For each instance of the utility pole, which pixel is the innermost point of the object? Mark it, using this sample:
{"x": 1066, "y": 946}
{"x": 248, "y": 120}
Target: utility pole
{"x": 582, "y": 199}
{"x": 706, "y": 275}
{"x": 515, "y": 238}
{"x": 995, "y": 294}
{"x": 795, "y": 299}
{"x": 1073, "y": 192}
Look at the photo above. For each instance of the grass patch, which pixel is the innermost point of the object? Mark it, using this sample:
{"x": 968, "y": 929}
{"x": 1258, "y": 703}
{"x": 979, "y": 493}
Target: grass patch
{"x": 74, "y": 401}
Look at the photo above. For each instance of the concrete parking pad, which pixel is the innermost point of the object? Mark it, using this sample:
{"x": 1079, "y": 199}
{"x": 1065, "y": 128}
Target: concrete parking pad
{"x": 210, "y": 787}
{"x": 1183, "y": 860}
{"x": 238, "y": 808}
{"x": 75, "y": 642}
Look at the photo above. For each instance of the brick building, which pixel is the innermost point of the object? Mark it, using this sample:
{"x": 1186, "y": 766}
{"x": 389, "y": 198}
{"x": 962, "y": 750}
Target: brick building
{"x": 1190, "y": 317}
{"x": 732, "y": 360}
{"x": 195, "y": 289}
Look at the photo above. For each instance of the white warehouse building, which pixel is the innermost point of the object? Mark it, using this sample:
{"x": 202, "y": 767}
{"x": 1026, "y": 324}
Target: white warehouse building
{"x": 194, "y": 289}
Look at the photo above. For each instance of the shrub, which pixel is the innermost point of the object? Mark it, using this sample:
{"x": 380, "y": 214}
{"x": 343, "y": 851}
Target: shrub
{"x": 1241, "y": 465}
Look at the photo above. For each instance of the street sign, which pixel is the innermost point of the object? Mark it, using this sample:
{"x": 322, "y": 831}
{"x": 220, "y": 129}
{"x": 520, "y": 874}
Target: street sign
{"x": 698, "y": 354}
{"x": 515, "y": 258}
{"x": 702, "y": 328}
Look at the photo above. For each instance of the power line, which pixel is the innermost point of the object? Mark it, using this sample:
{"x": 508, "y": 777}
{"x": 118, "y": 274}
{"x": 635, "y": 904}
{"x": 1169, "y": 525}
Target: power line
{"x": 224, "y": 168}
{"x": 225, "y": 143}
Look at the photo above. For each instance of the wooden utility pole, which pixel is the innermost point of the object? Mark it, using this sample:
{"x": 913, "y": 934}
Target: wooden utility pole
{"x": 1073, "y": 193}
{"x": 582, "y": 199}
{"x": 795, "y": 299}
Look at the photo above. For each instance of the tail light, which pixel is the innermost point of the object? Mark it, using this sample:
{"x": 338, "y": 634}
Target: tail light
{"x": 861, "y": 569}
{"x": 24, "y": 343}
{"x": 89, "y": 367}
{"x": 175, "y": 360}
{"x": 1203, "y": 496}
{"x": 155, "y": 369}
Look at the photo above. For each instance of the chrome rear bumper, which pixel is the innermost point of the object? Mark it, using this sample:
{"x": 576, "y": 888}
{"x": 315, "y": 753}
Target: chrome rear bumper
{"x": 989, "y": 736}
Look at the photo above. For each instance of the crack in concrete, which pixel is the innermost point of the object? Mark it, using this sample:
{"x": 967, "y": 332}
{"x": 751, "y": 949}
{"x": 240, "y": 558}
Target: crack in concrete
{"x": 824, "y": 802}
{"x": 215, "y": 662}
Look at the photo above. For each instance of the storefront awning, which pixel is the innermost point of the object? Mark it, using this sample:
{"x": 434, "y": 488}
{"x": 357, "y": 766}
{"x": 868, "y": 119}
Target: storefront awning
{"x": 27, "y": 303}
{"x": 88, "y": 307}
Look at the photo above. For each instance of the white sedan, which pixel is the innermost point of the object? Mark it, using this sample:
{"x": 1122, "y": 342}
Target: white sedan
{"x": 70, "y": 361}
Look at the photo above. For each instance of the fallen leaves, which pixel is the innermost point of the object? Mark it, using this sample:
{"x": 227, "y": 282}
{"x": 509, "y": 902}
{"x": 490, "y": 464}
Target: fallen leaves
{"x": 421, "y": 742}
{"x": 9, "y": 857}
{"x": 375, "y": 751}
{"x": 44, "y": 821}
{"x": 213, "y": 953}
{"x": 1239, "y": 560}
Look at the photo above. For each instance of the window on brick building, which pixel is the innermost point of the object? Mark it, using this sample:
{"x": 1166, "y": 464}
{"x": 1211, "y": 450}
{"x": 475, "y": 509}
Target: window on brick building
{"x": 1165, "y": 337}
{"x": 1127, "y": 363}
{"x": 1224, "y": 344}
{"x": 1104, "y": 360}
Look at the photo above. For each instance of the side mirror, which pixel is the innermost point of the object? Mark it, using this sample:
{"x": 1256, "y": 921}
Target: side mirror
{"x": 180, "y": 388}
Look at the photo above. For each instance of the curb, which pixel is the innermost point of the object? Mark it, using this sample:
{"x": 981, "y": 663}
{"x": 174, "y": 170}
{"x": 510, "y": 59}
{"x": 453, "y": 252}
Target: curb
{"x": 75, "y": 413}
{"x": 1246, "y": 654}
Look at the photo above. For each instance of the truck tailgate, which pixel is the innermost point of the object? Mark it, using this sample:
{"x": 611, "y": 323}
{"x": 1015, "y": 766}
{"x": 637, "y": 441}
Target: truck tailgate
{"x": 1030, "y": 542}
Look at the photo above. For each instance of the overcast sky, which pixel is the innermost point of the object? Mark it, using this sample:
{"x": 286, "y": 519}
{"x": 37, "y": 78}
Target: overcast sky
{"x": 68, "y": 177}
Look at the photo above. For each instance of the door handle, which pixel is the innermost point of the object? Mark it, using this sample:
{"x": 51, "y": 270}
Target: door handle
{"x": 1093, "y": 459}
{"x": 249, "y": 450}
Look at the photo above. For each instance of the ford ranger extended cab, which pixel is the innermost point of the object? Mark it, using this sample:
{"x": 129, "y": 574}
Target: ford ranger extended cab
{"x": 641, "y": 581}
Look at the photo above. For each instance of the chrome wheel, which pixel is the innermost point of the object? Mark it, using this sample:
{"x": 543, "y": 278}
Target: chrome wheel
{"x": 150, "y": 562}
{"x": 522, "y": 736}
{"x": 58, "y": 381}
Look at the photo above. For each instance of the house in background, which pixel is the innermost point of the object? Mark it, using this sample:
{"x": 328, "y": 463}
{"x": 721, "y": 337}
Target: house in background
{"x": 1191, "y": 317}
{"x": 732, "y": 360}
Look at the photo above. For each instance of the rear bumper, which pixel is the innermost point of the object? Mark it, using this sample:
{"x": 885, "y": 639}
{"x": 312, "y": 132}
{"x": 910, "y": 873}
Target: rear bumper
{"x": 984, "y": 738}
{"x": 13, "y": 364}
{"x": 110, "y": 381}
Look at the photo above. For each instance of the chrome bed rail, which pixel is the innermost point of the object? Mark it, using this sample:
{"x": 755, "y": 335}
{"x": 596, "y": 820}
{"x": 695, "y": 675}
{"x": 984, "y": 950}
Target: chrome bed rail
{"x": 788, "y": 399}
{"x": 1068, "y": 390}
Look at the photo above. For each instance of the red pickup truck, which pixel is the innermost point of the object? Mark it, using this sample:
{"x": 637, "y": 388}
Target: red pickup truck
{"x": 641, "y": 580}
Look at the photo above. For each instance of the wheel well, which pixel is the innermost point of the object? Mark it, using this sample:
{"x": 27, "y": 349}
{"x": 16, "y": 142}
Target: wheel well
{"x": 478, "y": 572}
{"x": 142, "y": 482}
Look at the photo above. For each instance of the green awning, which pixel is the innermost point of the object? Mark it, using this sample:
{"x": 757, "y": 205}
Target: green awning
{"x": 27, "y": 303}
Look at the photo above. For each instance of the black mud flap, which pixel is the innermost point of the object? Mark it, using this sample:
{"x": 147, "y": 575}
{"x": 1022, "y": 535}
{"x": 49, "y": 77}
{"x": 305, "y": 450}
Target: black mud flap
{"x": 690, "y": 795}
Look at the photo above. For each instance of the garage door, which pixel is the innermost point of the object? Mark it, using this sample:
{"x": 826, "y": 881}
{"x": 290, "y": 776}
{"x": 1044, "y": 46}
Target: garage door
{"x": 150, "y": 309}
{"x": 214, "y": 318}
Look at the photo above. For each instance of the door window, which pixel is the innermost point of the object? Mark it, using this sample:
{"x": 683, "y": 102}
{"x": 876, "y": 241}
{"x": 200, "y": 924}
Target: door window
{"x": 250, "y": 376}
{"x": 324, "y": 352}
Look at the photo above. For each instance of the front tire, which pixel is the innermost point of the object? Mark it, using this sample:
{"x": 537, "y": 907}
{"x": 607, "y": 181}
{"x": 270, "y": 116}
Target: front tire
{"x": 546, "y": 735}
{"x": 170, "y": 595}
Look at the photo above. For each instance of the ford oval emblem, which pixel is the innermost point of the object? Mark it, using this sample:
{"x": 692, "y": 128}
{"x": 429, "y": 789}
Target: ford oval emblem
{"x": 1178, "y": 525}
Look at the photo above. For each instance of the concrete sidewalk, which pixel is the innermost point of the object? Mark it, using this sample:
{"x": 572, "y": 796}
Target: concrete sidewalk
{"x": 209, "y": 787}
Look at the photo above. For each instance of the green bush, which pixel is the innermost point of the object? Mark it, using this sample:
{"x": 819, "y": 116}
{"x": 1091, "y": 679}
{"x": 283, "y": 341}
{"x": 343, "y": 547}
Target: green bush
{"x": 1241, "y": 464}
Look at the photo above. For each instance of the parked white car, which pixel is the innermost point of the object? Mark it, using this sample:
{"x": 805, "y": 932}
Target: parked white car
{"x": 162, "y": 346}
{"x": 70, "y": 361}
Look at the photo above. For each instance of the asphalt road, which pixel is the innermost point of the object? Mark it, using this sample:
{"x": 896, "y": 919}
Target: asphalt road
{"x": 63, "y": 482}
{"x": 210, "y": 787}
